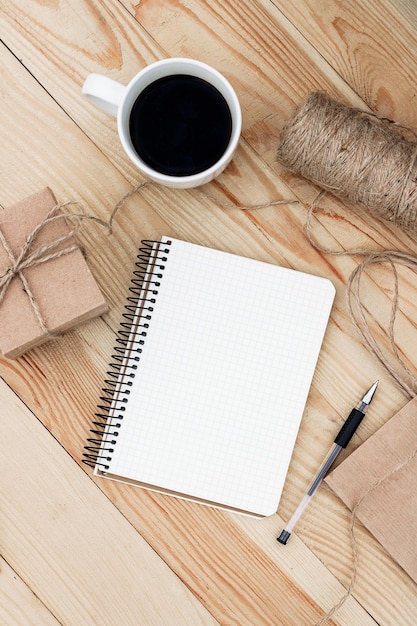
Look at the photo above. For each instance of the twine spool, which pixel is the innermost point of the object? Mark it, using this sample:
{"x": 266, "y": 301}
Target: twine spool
{"x": 354, "y": 154}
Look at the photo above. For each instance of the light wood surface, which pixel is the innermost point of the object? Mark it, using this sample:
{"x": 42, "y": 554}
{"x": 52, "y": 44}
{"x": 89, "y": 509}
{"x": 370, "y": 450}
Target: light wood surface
{"x": 80, "y": 550}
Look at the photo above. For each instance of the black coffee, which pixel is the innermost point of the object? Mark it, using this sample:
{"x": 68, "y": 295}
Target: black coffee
{"x": 180, "y": 125}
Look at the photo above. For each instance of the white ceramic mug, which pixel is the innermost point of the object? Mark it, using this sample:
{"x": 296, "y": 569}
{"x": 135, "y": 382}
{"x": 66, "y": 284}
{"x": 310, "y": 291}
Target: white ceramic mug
{"x": 118, "y": 100}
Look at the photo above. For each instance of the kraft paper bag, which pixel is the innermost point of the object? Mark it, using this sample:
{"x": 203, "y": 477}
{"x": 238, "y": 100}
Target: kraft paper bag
{"x": 389, "y": 508}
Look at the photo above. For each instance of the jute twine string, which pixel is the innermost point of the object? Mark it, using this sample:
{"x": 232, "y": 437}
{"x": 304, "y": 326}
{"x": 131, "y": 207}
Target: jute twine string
{"x": 368, "y": 161}
{"x": 29, "y": 256}
{"x": 407, "y": 380}
{"x": 354, "y": 154}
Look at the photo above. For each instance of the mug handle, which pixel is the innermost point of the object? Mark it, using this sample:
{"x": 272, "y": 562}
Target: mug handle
{"x": 105, "y": 92}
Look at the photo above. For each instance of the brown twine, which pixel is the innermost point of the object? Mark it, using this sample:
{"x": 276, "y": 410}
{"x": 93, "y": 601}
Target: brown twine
{"x": 354, "y": 154}
{"x": 407, "y": 381}
{"x": 367, "y": 160}
{"x": 29, "y": 257}
{"x": 244, "y": 207}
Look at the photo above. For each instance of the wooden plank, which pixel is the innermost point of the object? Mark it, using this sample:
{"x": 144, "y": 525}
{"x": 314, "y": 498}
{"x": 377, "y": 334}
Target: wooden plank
{"x": 78, "y": 38}
{"x": 242, "y": 573}
{"x": 370, "y": 44}
{"x": 19, "y": 606}
{"x": 80, "y": 556}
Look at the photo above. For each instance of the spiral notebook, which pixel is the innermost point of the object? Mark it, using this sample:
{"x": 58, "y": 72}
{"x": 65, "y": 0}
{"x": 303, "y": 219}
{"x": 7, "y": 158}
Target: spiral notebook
{"x": 210, "y": 376}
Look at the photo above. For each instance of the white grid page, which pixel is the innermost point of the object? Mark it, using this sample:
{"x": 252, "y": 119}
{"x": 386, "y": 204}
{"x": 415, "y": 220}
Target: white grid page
{"x": 223, "y": 378}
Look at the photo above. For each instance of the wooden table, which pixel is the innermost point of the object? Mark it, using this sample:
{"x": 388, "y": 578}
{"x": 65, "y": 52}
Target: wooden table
{"x": 81, "y": 551}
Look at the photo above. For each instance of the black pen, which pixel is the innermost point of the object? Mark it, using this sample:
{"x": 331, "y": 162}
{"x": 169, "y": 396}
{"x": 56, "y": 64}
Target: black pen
{"x": 343, "y": 437}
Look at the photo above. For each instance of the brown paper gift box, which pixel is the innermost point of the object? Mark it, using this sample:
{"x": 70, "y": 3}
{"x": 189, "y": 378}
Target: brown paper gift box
{"x": 63, "y": 289}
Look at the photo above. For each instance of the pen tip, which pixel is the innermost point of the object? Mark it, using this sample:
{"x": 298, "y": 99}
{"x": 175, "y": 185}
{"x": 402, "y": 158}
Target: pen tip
{"x": 367, "y": 398}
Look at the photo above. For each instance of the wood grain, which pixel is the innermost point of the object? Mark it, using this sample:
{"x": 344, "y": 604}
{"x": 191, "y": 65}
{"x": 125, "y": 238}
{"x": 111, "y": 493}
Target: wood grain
{"x": 204, "y": 566}
{"x": 369, "y": 44}
{"x": 19, "y": 605}
{"x": 87, "y": 568}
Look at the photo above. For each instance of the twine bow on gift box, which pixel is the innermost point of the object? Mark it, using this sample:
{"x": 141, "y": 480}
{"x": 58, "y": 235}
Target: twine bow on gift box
{"x": 28, "y": 257}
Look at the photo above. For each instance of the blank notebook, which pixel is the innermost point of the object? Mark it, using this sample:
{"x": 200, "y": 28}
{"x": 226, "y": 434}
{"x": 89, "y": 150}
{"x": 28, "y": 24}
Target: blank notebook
{"x": 211, "y": 376}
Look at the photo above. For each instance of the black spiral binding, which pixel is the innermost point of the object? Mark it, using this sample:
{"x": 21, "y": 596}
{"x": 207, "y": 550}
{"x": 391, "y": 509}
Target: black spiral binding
{"x": 129, "y": 343}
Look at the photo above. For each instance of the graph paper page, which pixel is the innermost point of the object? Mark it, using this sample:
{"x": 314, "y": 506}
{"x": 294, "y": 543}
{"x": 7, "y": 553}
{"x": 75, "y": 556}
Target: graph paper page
{"x": 221, "y": 386}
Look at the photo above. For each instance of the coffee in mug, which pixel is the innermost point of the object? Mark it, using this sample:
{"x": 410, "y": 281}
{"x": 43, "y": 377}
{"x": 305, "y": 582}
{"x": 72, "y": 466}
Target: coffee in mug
{"x": 179, "y": 120}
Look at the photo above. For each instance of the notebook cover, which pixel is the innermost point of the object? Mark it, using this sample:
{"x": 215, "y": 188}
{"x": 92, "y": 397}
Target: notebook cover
{"x": 389, "y": 511}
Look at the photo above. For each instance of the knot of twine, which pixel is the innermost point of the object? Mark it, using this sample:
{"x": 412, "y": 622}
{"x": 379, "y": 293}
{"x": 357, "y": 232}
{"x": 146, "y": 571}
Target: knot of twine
{"x": 356, "y": 155}
{"x": 29, "y": 257}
